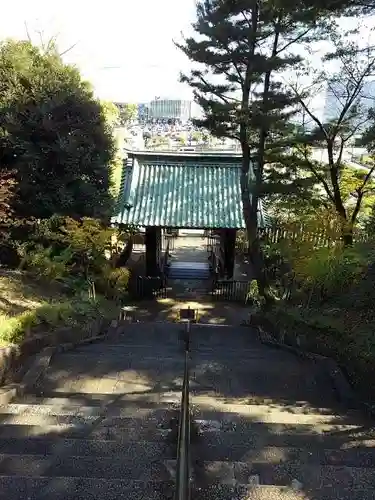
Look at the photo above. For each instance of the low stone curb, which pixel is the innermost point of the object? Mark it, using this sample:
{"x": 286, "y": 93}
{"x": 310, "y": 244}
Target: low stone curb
{"x": 43, "y": 359}
{"x": 344, "y": 390}
{"x": 40, "y": 364}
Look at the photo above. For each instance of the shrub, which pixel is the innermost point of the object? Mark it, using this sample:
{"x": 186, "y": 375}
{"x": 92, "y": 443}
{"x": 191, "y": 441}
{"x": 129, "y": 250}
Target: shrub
{"x": 79, "y": 254}
{"x": 324, "y": 271}
{"x": 113, "y": 282}
{"x": 88, "y": 240}
{"x": 16, "y": 328}
{"x": 331, "y": 271}
{"x": 77, "y": 311}
{"x": 41, "y": 262}
{"x": 9, "y": 256}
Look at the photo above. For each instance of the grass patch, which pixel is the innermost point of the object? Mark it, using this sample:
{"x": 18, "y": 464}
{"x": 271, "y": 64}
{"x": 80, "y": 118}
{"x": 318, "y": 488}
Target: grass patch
{"x": 28, "y": 307}
{"x": 20, "y": 293}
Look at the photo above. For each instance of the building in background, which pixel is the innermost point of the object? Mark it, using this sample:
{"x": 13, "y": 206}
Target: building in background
{"x": 170, "y": 109}
{"x": 336, "y": 96}
{"x": 143, "y": 112}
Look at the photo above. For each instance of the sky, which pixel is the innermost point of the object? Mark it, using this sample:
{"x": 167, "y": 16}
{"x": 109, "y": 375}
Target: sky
{"x": 123, "y": 47}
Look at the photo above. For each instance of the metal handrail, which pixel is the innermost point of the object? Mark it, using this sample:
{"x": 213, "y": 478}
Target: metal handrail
{"x": 183, "y": 443}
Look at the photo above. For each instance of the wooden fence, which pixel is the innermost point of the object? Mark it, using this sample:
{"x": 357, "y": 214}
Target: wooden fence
{"x": 275, "y": 234}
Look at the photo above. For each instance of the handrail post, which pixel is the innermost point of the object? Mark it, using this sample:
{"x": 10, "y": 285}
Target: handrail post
{"x": 187, "y": 336}
{"x": 183, "y": 443}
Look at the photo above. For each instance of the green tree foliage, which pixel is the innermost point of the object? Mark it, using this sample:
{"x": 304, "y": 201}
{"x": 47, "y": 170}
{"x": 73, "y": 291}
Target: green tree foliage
{"x": 158, "y": 142}
{"x": 316, "y": 209}
{"x": 7, "y": 182}
{"x": 197, "y": 136}
{"x": 181, "y": 139}
{"x": 54, "y": 136}
{"x": 110, "y": 112}
{"x": 345, "y": 69}
{"x": 127, "y": 113}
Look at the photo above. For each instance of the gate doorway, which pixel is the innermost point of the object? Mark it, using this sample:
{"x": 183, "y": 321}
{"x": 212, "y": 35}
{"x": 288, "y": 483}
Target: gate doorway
{"x": 189, "y": 273}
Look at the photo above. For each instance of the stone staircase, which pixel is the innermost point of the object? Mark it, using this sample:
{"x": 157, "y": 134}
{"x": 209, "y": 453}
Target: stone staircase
{"x": 101, "y": 424}
{"x": 271, "y": 427}
{"x": 189, "y": 271}
{"x": 98, "y": 425}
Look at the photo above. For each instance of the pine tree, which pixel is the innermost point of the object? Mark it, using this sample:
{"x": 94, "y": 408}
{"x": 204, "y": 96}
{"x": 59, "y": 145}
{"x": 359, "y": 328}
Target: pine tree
{"x": 245, "y": 46}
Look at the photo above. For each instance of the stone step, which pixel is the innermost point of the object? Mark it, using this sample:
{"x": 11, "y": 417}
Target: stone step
{"x": 112, "y": 362}
{"x": 136, "y": 409}
{"x": 223, "y": 416}
{"x": 121, "y": 376}
{"x": 82, "y": 488}
{"x": 212, "y": 409}
{"x": 315, "y": 455}
{"x": 122, "y": 424}
{"x": 155, "y": 350}
{"x": 69, "y": 431}
{"x": 255, "y": 356}
{"x": 149, "y": 450}
{"x": 134, "y": 450}
{"x": 261, "y": 492}
{"x": 151, "y": 424}
{"x": 137, "y": 332}
{"x": 104, "y": 349}
{"x": 309, "y": 476}
{"x": 299, "y": 406}
{"x": 165, "y": 333}
{"x": 200, "y": 352}
{"x": 188, "y": 270}
{"x": 199, "y": 340}
{"x": 258, "y": 387}
{"x": 125, "y": 400}
{"x": 73, "y": 488}
{"x": 262, "y": 377}
{"x": 85, "y": 466}
{"x": 100, "y": 400}
{"x": 236, "y": 441}
{"x": 226, "y": 332}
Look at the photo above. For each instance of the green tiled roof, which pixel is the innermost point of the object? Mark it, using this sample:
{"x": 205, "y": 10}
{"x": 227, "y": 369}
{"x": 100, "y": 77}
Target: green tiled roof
{"x": 186, "y": 191}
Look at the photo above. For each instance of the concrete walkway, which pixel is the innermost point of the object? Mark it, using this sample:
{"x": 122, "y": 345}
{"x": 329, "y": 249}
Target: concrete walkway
{"x": 190, "y": 249}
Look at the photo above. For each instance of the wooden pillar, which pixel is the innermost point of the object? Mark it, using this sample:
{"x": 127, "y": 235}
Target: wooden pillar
{"x": 159, "y": 242}
{"x": 229, "y": 252}
{"x": 222, "y": 237}
{"x": 152, "y": 242}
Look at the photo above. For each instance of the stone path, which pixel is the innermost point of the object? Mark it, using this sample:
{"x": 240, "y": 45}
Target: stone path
{"x": 190, "y": 249}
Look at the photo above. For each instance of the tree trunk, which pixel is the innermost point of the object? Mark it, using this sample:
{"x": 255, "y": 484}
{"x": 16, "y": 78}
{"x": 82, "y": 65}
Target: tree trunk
{"x": 250, "y": 213}
{"x": 255, "y": 250}
{"x": 347, "y": 226}
{"x": 347, "y": 234}
{"x": 125, "y": 254}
